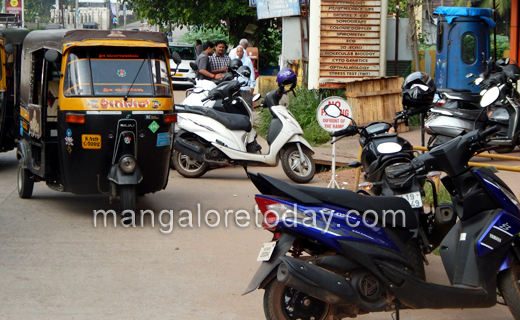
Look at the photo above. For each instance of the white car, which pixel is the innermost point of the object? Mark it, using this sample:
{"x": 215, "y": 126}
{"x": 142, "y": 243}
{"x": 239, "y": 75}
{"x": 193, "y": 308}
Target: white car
{"x": 188, "y": 54}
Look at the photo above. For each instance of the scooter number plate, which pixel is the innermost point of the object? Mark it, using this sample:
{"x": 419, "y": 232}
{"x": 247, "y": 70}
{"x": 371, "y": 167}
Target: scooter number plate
{"x": 413, "y": 198}
{"x": 266, "y": 251}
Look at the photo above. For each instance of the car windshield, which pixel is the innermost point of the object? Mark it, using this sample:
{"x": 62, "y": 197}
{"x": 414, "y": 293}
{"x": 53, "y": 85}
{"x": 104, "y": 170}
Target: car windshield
{"x": 186, "y": 53}
{"x": 116, "y": 71}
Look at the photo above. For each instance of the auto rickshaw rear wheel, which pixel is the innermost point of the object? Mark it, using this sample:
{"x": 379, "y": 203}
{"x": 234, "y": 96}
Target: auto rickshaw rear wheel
{"x": 25, "y": 182}
{"x": 127, "y": 198}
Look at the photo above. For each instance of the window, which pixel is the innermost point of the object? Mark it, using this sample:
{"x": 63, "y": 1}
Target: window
{"x": 469, "y": 48}
{"x": 115, "y": 71}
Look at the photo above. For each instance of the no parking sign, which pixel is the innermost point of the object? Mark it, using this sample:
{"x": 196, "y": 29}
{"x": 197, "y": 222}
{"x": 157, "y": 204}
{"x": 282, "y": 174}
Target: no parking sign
{"x": 332, "y": 114}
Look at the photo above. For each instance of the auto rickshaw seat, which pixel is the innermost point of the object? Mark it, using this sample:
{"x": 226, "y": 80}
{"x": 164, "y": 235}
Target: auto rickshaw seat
{"x": 52, "y": 98}
{"x": 229, "y": 120}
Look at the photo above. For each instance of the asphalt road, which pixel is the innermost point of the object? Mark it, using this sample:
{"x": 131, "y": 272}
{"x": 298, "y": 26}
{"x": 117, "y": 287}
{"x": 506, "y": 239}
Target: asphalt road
{"x": 55, "y": 264}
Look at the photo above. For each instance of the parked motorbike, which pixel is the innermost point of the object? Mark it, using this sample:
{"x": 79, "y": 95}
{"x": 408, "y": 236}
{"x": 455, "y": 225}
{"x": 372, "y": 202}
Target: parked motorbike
{"x": 209, "y": 139}
{"x": 343, "y": 264}
{"x": 444, "y": 124}
{"x": 382, "y": 153}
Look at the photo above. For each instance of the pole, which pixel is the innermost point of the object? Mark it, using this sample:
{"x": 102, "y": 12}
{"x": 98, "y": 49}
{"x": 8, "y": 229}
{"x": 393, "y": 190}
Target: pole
{"x": 76, "y": 16}
{"x": 495, "y": 30}
{"x": 124, "y": 16}
{"x": 396, "y": 62}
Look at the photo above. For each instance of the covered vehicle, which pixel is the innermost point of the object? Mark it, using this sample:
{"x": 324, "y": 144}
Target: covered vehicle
{"x": 96, "y": 113}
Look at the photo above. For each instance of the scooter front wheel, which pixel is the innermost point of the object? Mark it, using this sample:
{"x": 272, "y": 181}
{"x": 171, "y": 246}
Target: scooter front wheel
{"x": 187, "y": 166}
{"x": 300, "y": 168}
{"x": 285, "y": 303}
{"x": 509, "y": 286}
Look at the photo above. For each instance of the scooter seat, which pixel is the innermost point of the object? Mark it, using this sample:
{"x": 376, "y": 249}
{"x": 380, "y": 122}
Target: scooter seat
{"x": 229, "y": 120}
{"x": 467, "y": 97}
{"x": 362, "y": 203}
{"x": 342, "y": 198}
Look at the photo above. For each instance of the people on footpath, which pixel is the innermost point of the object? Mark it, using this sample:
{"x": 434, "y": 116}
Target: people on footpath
{"x": 198, "y": 46}
{"x": 204, "y": 68}
{"x": 243, "y": 43}
{"x": 247, "y": 91}
{"x": 219, "y": 61}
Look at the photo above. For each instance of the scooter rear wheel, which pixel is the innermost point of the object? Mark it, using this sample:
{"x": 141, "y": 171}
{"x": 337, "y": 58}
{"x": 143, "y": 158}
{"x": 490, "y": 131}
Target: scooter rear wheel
{"x": 285, "y": 303}
{"x": 187, "y": 166}
{"x": 299, "y": 168}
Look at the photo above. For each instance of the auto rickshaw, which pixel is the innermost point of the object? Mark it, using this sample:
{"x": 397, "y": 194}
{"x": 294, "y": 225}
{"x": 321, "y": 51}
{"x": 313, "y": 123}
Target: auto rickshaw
{"x": 10, "y": 53}
{"x": 96, "y": 113}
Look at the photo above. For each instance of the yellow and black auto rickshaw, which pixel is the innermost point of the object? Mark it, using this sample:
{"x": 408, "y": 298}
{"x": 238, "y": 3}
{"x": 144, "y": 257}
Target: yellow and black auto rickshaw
{"x": 96, "y": 113}
{"x": 10, "y": 53}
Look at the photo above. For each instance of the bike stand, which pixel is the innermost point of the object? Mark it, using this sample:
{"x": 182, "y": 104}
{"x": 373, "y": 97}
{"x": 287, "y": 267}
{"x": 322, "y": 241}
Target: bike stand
{"x": 333, "y": 184}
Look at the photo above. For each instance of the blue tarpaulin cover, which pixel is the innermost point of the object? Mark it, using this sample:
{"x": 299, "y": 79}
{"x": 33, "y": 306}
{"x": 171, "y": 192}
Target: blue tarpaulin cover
{"x": 452, "y": 13}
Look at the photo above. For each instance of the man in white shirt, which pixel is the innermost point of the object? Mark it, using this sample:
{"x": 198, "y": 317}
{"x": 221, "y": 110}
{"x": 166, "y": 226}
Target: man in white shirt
{"x": 244, "y": 44}
{"x": 247, "y": 91}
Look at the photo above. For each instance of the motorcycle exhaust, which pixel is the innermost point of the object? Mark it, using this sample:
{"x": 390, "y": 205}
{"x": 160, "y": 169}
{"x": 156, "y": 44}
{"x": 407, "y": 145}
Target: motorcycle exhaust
{"x": 285, "y": 276}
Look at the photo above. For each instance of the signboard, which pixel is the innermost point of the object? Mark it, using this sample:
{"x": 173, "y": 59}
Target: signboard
{"x": 349, "y": 40}
{"x": 266, "y": 9}
{"x": 332, "y": 114}
{"x": 14, "y": 6}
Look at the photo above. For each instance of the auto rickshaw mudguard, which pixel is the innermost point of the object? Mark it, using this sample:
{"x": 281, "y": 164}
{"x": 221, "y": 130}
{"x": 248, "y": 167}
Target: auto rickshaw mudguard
{"x": 22, "y": 153}
{"x": 119, "y": 177}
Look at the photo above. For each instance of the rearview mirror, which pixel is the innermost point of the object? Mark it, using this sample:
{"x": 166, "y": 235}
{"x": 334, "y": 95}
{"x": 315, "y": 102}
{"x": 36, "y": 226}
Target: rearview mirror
{"x": 198, "y": 90}
{"x": 52, "y": 55}
{"x": 194, "y": 66}
{"x": 256, "y": 97}
{"x": 9, "y": 48}
{"x": 176, "y": 58}
{"x": 332, "y": 110}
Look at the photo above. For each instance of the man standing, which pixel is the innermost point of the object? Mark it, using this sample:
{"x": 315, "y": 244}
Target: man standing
{"x": 198, "y": 46}
{"x": 247, "y": 91}
{"x": 204, "y": 68}
{"x": 219, "y": 61}
{"x": 244, "y": 44}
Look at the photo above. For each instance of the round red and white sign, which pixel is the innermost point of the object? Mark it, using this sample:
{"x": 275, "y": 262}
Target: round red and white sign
{"x": 332, "y": 114}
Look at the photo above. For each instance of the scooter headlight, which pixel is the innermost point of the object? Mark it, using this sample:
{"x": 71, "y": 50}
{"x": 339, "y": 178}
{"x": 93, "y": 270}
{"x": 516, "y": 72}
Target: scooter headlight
{"x": 127, "y": 164}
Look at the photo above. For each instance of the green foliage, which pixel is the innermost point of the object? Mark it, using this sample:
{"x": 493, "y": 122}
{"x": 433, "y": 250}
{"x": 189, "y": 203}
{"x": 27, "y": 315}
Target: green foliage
{"x": 270, "y": 47}
{"x": 402, "y": 8}
{"x": 303, "y": 107}
{"x": 206, "y": 34}
{"x": 502, "y": 44}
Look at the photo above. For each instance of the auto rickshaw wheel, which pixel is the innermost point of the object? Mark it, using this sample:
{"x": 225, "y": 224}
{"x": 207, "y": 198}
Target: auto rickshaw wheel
{"x": 127, "y": 198}
{"x": 25, "y": 182}
{"x": 187, "y": 166}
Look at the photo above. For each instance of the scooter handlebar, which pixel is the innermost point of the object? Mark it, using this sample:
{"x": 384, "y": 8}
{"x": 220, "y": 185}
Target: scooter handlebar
{"x": 484, "y": 134}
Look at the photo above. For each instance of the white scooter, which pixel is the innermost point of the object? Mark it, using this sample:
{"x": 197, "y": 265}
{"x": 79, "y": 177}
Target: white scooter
{"x": 209, "y": 139}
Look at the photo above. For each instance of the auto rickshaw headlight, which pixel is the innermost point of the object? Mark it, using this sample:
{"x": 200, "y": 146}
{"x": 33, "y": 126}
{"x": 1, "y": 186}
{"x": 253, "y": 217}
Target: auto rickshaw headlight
{"x": 127, "y": 164}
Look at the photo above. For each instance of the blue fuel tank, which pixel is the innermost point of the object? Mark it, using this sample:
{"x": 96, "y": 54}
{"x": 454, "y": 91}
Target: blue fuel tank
{"x": 463, "y": 45}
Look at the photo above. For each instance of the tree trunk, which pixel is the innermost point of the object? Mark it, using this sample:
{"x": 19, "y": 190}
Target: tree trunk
{"x": 412, "y": 26}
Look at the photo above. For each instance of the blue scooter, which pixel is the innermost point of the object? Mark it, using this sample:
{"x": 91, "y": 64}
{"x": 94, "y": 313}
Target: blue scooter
{"x": 351, "y": 254}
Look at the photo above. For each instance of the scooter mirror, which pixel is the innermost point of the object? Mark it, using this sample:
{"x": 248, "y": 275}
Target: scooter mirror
{"x": 256, "y": 97}
{"x": 469, "y": 75}
{"x": 198, "y": 90}
{"x": 489, "y": 97}
{"x": 332, "y": 110}
{"x": 389, "y": 147}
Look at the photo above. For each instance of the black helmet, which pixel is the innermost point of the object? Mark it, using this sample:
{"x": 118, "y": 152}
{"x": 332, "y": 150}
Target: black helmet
{"x": 418, "y": 90}
{"x": 234, "y": 64}
{"x": 244, "y": 71}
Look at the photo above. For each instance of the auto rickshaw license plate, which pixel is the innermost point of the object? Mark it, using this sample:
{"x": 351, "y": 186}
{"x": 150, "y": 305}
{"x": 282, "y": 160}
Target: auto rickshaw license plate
{"x": 91, "y": 141}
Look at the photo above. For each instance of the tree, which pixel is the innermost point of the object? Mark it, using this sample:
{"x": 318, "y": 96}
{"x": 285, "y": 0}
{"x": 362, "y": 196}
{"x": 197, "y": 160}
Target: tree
{"x": 204, "y": 13}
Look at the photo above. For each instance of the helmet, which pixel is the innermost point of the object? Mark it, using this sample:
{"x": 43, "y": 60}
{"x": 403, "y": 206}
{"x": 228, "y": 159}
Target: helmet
{"x": 244, "y": 71}
{"x": 234, "y": 64}
{"x": 418, "y": 90}
{"x": 286, "y": 77}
